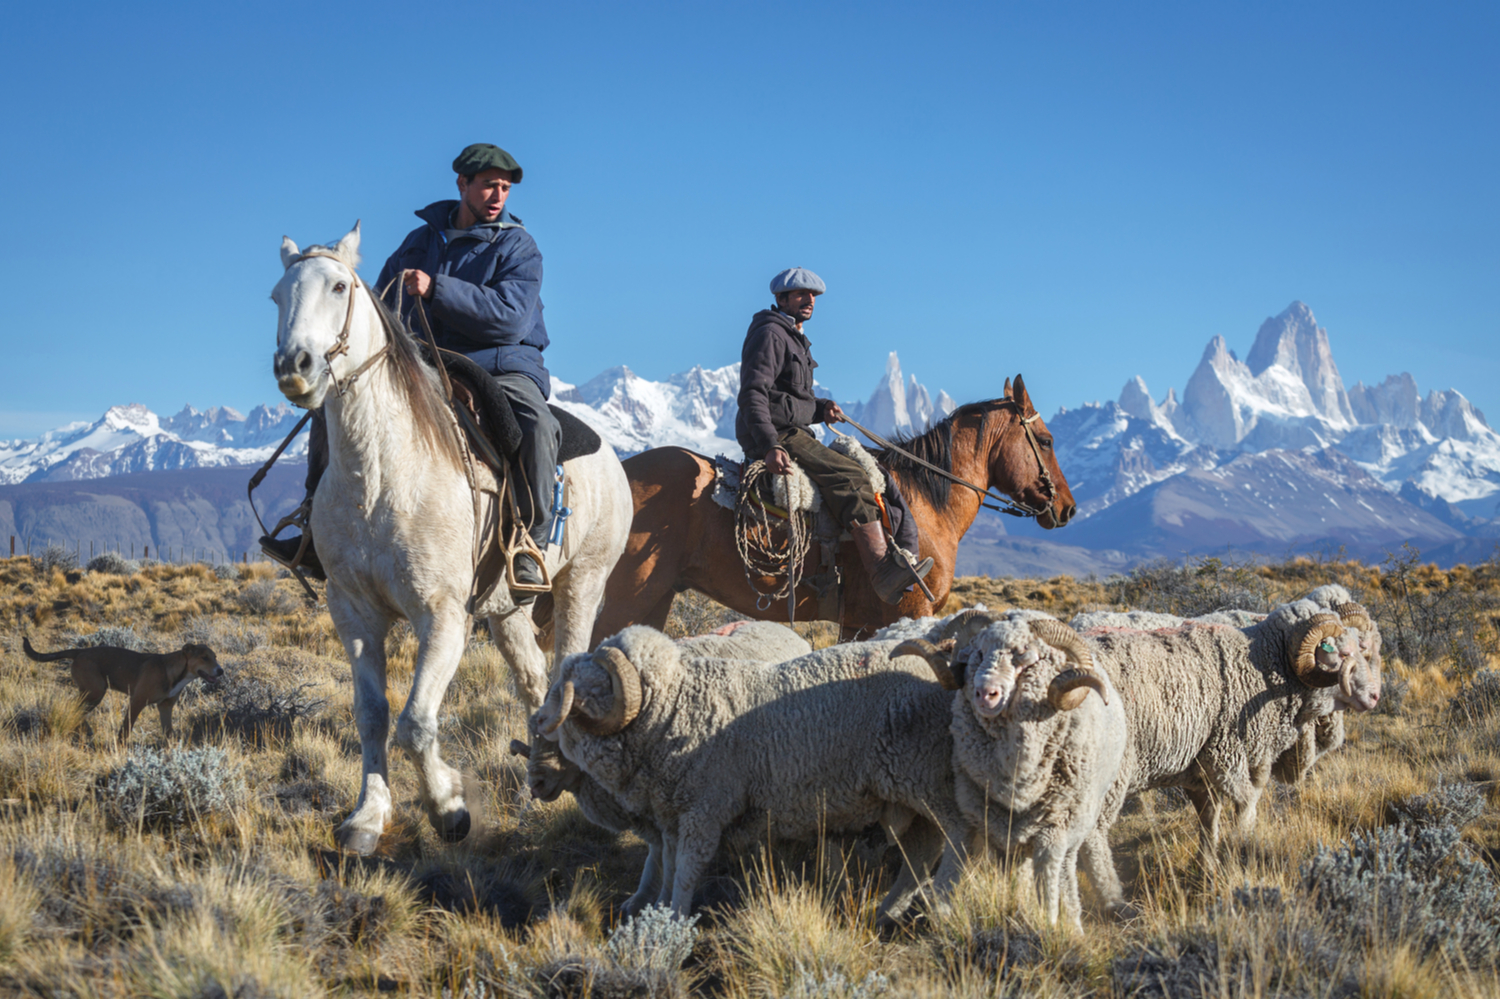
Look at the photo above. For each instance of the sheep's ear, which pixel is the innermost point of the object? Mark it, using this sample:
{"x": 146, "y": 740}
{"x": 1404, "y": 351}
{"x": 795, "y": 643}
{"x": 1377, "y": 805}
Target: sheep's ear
{"x": 520, "y": 749}
{"x": 289, "y": 252}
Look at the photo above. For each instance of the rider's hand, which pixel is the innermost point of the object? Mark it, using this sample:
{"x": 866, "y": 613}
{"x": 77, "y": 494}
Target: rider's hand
{"x": 835, "y": 414}
{"x": 417, "y": 283}
{"x": 778, "y": 462}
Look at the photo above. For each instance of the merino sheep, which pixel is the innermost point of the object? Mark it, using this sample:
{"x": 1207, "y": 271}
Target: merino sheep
{"x": 831, "y": 742}
{"x": 1211, "y": 708}
{"x": 549, "y": 773}
{"x": 1028, "y": 738}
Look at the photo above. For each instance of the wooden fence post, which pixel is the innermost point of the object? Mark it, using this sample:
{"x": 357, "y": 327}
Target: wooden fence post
{"x": 146, "y": 552}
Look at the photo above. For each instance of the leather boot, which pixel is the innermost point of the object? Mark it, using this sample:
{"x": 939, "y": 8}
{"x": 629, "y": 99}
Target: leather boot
{"x": 284, "y": 550}
{"x": 889, "y": 574}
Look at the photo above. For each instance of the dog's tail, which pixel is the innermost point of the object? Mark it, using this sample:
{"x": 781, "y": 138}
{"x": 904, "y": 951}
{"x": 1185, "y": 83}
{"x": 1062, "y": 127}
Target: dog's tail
{"x": 62, "y": 654}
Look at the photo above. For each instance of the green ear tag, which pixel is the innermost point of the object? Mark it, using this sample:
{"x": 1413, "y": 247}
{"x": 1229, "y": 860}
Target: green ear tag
{"x": 1327, "y": 646}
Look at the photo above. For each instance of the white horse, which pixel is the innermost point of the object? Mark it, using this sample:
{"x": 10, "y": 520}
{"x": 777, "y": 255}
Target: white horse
{"x": 394, "y": 520}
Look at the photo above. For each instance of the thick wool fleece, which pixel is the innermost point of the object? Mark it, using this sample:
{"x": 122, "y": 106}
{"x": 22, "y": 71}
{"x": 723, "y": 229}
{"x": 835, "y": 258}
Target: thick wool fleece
{"x": 829, "y": 742}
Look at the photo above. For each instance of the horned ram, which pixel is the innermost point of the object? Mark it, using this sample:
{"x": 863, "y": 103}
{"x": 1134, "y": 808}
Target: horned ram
{"x": 1028, "y": 739}
{"x": 549, "y": 773}
{"x": 831, "y": 742}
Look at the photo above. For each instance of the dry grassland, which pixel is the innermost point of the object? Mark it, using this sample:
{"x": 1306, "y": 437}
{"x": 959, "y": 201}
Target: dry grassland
{"x": 234, "y": 889}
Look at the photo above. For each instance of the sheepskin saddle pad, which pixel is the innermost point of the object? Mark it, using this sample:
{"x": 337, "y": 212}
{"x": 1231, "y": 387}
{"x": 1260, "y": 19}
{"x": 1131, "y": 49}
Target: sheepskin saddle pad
{"x": 795, "y": 492}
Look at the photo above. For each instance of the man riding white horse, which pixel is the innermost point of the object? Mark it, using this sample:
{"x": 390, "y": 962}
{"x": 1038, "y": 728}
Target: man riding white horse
{"x": 478, "y": 273}
{"x": 777, "y": 406}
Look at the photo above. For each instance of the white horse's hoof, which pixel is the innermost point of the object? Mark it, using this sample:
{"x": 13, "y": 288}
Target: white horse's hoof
{"x": 361, "y": 842}
{"x": 456, "y": 828}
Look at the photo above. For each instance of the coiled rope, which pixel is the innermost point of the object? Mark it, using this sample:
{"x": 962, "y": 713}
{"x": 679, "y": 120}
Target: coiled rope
{"x": 761, "y": 555}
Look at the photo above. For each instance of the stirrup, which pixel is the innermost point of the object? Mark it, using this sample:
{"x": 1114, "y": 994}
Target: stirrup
{"x": 901, "y": 556}
{"x": 523, "y": 545}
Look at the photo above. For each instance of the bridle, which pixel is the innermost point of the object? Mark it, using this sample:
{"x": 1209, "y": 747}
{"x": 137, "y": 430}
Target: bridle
{"x": 1003, "y": 504}
{"x": 341, "y": 342}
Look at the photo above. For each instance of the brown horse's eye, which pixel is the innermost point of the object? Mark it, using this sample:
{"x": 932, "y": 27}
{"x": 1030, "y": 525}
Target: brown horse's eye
{"x": 339, "y": 287}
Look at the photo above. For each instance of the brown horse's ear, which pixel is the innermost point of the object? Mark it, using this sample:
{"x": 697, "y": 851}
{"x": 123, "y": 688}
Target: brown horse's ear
{"x": 1022, "y": 399}
{"x": 1007, "y": 388}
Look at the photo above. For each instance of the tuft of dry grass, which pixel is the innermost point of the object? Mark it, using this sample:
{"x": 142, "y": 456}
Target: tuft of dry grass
{"x": 255, "y": 901}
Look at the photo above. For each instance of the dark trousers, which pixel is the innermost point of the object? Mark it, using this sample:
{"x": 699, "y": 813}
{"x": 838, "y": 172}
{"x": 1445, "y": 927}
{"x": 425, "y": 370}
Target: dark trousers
{"x": 536, "y": 461}
{"x": 842, "y": 481}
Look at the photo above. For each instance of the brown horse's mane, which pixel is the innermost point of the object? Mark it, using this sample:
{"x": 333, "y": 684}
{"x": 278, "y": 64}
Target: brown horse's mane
{"x": 935, "y": 445}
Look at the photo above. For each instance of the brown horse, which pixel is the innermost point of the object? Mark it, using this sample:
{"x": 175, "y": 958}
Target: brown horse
{"x": 681, "y": 539}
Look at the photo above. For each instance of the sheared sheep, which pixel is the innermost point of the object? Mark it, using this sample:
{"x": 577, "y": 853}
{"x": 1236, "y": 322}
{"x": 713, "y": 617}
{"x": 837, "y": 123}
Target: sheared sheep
{"x": 831, "y": 742}
{"x": 1029, "y": 738}
{"x": 1211, "y": 708}
{"x": 549, "y": 773}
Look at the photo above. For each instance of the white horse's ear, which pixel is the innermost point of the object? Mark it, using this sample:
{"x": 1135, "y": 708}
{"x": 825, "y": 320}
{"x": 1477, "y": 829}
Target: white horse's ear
{"x": 289, "y": 251}
{"x": 348, "y": 247}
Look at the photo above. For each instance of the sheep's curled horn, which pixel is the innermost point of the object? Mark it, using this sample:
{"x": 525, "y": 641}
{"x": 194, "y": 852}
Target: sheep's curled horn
{"x": 1354, "y": 616}
{"x": 626, "y": 703}
{"x": 1305, "y": 663}
{"x": 1069, "y": 688}
{"x": 955, "y": 634}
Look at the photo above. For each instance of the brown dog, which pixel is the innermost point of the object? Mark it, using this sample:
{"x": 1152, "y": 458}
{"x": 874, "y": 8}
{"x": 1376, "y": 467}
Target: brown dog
{"x": 148, "y": 678}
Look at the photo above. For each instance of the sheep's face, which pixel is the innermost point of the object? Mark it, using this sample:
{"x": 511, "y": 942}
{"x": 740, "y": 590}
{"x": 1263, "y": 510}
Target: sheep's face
{"x": 548, "y": 772}
{"x": 997, "y": 658}
{"x": 1363, "y": 645}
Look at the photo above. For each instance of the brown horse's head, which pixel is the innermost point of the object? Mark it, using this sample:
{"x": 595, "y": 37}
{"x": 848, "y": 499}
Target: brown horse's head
{"x": 1025, "y": 467}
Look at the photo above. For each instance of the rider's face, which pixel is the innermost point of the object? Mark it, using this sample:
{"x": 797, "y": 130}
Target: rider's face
{"x": 798, "y": 303}
{"x": 484, "y": 194}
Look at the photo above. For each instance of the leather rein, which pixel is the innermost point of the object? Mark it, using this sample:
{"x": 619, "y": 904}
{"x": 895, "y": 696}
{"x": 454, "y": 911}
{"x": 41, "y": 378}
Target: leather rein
{"x": 1003, "y": 504}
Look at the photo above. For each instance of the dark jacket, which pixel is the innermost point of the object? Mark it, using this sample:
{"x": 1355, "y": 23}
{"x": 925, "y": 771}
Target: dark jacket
{"x": 776, "y": 383}
{"x": 487, "y": 290}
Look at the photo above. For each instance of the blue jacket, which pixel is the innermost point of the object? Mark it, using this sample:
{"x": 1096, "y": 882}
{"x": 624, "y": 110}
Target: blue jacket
{"x": 487, "y": 286}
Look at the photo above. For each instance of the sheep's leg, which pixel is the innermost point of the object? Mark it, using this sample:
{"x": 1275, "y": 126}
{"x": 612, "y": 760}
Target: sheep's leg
{"x": 649, "y": 875}
{"x": 919, "y": 844}
{"x": 1207, "y": 804}
{"x": 697, "y": 840}
{"x": 1099, "y": 862}
{"x": 443, "y": 633}
{"x": 363, "y": 633}
{"x": 1049, "y": 857}
{"x": 1072, "y": 906}
{"x": 668, "y": 869}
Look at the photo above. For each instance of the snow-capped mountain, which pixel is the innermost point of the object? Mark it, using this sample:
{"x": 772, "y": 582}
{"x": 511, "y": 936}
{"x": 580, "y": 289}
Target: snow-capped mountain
{"x": 696, "y": 409}
{"x": 133, "y": 439}
{"x": 1287, "y": 405}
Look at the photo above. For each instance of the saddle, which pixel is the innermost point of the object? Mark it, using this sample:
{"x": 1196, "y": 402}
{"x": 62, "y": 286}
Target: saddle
{"x": 484, "y": 412}
{"x": 784, "y": 498}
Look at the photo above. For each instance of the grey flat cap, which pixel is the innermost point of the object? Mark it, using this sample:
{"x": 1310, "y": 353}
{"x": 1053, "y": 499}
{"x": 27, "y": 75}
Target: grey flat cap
{"x": 794, "y": 278}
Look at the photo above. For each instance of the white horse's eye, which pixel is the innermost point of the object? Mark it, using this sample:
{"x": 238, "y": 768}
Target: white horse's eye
{"x": 339, "y": 287}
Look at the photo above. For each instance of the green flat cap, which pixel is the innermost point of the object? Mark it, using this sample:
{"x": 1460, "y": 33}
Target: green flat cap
{"x": 485, "y": 156}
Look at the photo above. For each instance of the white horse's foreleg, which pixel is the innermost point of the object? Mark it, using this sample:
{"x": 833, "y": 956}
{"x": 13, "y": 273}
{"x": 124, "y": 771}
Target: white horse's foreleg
{"x": 576, "y": 604}
{"x": 364, "y": 642}
{"x": 517, "y": 645}
{"x": 439, "y": 649}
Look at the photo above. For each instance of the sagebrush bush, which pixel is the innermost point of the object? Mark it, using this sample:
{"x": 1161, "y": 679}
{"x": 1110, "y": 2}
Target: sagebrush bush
{"x": 113, "y": 562}
{"x": 1478, "y": 698}
{"x": 227, "y": 571}
{"x": 169, "y": 788}
{"x": 655, "y": 938}
{"x": 1196, "y": 586}
{"x": 263, "y": 597}
{"x": 56, "y": 557}
{"x": 1416, "y": 883}
{"x": 224, "y": 637}
{"x": 256, "y": 709}
{"x": 1453, "y": 803}
{"x": 123, "y": 636}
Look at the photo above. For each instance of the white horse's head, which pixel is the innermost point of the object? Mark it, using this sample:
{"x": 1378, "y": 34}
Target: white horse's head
{"x": 313, "y": 304}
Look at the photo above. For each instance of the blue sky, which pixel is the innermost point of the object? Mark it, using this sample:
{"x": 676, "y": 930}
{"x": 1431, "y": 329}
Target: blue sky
{"x": 1079, "y": 192}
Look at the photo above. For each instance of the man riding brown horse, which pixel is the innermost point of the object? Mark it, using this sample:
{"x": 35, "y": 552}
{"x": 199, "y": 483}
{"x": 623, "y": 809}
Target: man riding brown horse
{"x": 776, "y": 409}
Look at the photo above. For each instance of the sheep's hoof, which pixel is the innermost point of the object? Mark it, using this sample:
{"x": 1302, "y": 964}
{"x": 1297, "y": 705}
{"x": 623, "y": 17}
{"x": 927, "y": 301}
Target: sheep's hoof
{"x": 361, "y": 842}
